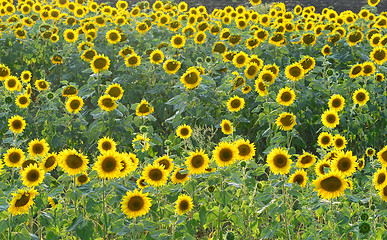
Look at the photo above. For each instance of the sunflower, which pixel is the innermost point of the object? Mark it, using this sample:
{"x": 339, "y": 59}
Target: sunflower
{"x": 361, "y": 164}
{"x": 326, "y": 50}
{"x": 72, "y": 162}
{"x": 166, "y": 162}
{"x": 225, "y": 154}
{"x": 155, "y": 175}
{"x": 360, "y": 96}
{"x": 70, "y": 35}
{"x": 336, "y": 102}
{"x": 14, "y": 157}
{"x": 133, "y": 60}
{"x": 38, "y": 147}
{"x": 330, "y": 118}
{"x": 240, "y": 59}
{"x": 171, "y": 66}
{"x": 251, "y": 70}
{"x": 370, "y": 152}
{"x": 88, "y": 55}
{"x": 379, "y": 55}
{"x": 286, "y": 121}
{"x": 183, "y": 204}
{"x": 49, "y": 162}
{"x": 26, "y": 76}
{"x": 184, "y": 131}
{"x": 16, "y": 124}
{"x": 140, "y": 143}
{"x": 107, "y": 103}
{"x": 368, "y": 68}
{"x": 286, "y": 96}
{"x": 115, "y": 91}
{"x": 235, "y": 104}
{"x": 382, "y": 156}
{"x": 108, "y": 165}
{"x": 4, "y": 72}
{"x": 339, "y": 142}
{"x": 156, "y": 57}
{"x": 246, "y": 150}
{"x": 261, "y": 87}
{"x": 279, "y": 161}
{"x": 344, "y": 163}
{"x": 178, "y": 41}
{"x": 12, "y": 83}
{"x": 100, "y": 63}
{"x": 330, "y": 185}
{"x": 32, "y": 175}
{"x": 299, "y": 177}
{"x": 113, "y": 36}
{"x": 135, "y": 204}
{"x": 191, "y": 78}
{"x": 227, "y": 127}
{"x": 306, "y": 160}
{"x": 144, "y": 108}
{"x": 178, "y": 176}
{"x": 74, "y": 104}
{"x": 294, "y": 72}
{"x": 82, "y": 179}
{"x": 22, "y": 201}
{"x": 379, "y": 178}
{"x": 373, "y": 3}
{"x": 197, "y": 162}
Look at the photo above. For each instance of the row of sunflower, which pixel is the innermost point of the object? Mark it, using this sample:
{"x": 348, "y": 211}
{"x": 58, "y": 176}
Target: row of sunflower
{"x": 166, "y": 78}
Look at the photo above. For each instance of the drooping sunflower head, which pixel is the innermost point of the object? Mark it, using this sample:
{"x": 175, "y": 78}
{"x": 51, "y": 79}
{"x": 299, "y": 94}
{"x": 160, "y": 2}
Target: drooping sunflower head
{"x": 107, "y": 103}
{"x": 106, "y": 144}
{"x": 32, "y": 175}
{"x": 306, "y": 160}
{"x": 14, "y": 157}
{"x": 135, "y": 204}
{"x": 246, "y": 150}
{"x": 16, "y": 124}
{"x": 286, "y": 96}
{"x": 299, "y": 177}
{"x": 74, "y": 104}
{"x": 225, "y": 154}
{"x": 227, "y": 127}
{"x": 49, "y": 162}
{"x": 155, "y": 175}
{"x": 184, "y": 131}
{"x": 183, "y": 204}
{"x": 279, "y": 161}
{"x": 38, "y": 147}
{"x": 295, "y": 72}
{"x": 22, "y": 201}
{"x": 330, "y": 118}
{"x": 72, "y": 162}
{"x": 108, "y": 165}
{"x": 235, "y": 104}
{"x": 100, "y": 63}
{"x": 144, "y": 108}
{"x": 344, "y": 163}
{"x": 330, "y": 185}
{"x": 286, "y": 121}
{"x": 360, "y": 96}
{"x": 197, "y": 162}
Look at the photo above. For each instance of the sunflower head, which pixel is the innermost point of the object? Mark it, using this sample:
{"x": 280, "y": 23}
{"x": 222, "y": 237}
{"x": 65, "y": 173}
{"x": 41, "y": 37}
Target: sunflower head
{"x": 279, "y": 161}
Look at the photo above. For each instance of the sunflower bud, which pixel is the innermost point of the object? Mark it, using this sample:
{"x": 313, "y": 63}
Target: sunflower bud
{"x": 143, "y": 129}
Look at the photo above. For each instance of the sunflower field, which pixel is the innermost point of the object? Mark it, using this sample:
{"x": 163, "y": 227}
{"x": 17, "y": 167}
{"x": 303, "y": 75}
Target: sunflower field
{"x": 165, "y": 121}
